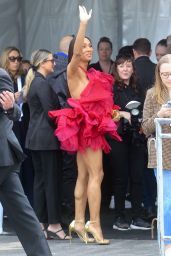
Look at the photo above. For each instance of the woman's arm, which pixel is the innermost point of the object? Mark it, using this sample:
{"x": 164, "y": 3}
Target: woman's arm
{"x": 84, "y": 17}
{"x": 149, "y": 114}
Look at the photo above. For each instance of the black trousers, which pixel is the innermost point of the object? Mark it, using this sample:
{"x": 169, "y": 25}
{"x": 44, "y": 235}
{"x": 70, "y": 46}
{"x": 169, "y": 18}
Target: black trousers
{"x": 21, "y": 214}
{"x": 69, "y": 176}
{"x": 26, "y": 169}
{"x": 127, "y": 163}
{"x": 47, "y": 185}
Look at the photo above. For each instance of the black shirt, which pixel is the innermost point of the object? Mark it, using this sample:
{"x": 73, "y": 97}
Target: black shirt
{"x": 122, "y": 95}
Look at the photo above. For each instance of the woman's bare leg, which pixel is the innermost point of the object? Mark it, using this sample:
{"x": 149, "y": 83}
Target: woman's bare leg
{"x": 81, "y": 191}
{"x": 93, "y": 160}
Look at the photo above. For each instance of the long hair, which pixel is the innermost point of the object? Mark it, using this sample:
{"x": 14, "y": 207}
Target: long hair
{"x": 71, "y": 48}
{"x": 37, "y": 57}
{"x": 120, "y": 59}
{"x": 4, "y": 61}
{"x": 160, "y": 90}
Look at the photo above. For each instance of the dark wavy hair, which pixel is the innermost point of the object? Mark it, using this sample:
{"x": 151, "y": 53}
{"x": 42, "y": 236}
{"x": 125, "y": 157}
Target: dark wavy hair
{"x": 71, "y": 48}
{"x": 120, "y": 59}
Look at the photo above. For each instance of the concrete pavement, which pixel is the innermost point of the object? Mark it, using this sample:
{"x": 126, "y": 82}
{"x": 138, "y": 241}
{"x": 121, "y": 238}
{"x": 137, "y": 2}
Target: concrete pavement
{"x": 10, "y": 246}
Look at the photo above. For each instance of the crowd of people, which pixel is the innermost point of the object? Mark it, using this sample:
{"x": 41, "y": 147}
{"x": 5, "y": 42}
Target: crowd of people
{"x": 80, "y": 122}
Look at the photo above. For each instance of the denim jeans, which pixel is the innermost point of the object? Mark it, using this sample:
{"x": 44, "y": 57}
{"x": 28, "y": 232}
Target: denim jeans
{"x": 166, "y": 202}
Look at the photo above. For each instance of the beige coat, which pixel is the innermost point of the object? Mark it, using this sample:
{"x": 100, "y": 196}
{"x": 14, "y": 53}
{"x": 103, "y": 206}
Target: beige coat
{"x": 151, "y": 107}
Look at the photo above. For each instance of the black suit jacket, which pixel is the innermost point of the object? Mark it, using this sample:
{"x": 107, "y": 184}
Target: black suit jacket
{"x": 40, "y": 134}
{"x": 10, "y": 150}
{"x": 145, "y": 71}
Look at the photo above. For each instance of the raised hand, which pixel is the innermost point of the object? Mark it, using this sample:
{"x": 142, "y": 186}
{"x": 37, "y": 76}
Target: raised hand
{"x": 84, "y": 15}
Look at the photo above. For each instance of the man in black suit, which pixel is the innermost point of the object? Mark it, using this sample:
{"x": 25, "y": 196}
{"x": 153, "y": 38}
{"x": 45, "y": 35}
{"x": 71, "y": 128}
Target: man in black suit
{"x": 12, "y": 195}
{"x": 58, "y": 83}
{"x": 145, "y": 70}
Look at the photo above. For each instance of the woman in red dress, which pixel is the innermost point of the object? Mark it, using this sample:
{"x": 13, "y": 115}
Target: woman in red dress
{"x": 82, "y": 128}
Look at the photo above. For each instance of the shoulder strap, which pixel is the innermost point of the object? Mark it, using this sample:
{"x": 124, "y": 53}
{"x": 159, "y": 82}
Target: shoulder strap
{"x": 85, "y": 71}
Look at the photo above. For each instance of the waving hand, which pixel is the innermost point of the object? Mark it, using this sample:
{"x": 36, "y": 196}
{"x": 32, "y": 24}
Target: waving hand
{"x": 84, "y": 15}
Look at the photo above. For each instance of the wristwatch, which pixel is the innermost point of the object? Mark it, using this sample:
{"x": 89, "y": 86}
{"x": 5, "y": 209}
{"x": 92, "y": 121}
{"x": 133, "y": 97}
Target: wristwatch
{"x": 8, "y": 111}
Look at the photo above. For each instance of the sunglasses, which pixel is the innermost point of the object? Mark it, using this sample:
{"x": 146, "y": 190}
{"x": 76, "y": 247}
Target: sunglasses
{"x": 52, "y": 60}
{"x": 13, "y": 59}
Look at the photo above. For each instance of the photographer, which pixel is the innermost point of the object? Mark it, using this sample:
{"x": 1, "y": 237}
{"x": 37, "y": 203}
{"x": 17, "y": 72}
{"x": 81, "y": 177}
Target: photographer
{"x": 127, "y": 156}
{"x": 12, "y": 196}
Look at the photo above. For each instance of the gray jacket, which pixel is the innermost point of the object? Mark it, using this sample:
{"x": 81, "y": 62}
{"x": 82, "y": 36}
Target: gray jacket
{"x": 10, "y": 150}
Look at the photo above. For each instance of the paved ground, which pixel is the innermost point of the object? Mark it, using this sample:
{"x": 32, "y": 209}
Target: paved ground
{"x": 129, "y": 243}
{"x": 9, "y": 246}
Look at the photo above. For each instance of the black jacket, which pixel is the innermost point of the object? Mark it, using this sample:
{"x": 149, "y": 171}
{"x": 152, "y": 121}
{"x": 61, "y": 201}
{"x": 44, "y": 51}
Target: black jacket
{"x": 40, "y": 134}
{"x": 145, "y": 71}
{"x": 58, "y": 81}
{"x": 123, "y": 95}
{"x": 10, "y": 150}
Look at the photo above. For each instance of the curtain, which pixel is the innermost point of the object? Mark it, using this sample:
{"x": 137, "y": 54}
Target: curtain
{"x": 32, "y": 24}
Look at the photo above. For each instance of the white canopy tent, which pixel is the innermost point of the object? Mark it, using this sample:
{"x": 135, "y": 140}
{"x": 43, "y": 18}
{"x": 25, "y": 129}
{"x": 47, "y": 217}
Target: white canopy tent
{"x": 33, "y": 24}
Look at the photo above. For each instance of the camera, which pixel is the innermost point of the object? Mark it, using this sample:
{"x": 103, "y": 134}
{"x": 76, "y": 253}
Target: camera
{"x": 134, "y": 129}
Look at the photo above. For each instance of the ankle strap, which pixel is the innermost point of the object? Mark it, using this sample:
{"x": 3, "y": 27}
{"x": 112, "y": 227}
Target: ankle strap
{"x": 79, "y": 221}
{"x": 93, "y": 221}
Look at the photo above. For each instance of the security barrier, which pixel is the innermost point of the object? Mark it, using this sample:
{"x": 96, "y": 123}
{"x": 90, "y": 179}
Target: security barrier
{"x": 160, "y": 214}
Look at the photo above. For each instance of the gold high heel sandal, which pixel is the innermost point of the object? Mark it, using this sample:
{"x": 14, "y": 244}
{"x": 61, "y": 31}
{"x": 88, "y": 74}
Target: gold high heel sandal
{"x": 82, "y": 235}
{"x": 97, "y": 240}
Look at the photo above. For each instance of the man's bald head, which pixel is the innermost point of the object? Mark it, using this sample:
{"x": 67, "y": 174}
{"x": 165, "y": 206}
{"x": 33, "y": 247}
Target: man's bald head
{"x": 64, "y": 43}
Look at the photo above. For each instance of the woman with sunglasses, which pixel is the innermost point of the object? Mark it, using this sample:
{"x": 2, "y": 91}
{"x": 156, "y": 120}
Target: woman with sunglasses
{"x": 156, "y": 106}
{"x": 11, "y": 60}
{"x": 44, "y": 146}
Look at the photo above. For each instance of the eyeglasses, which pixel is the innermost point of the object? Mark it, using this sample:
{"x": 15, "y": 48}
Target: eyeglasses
{"x": 13, "y": 59}
{"x": 165, "y": 75}
{"x": 52, "y": 60}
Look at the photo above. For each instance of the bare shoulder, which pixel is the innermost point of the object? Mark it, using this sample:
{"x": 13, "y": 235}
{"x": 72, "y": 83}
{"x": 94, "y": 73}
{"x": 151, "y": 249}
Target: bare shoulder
{"x": 76, "y": 82}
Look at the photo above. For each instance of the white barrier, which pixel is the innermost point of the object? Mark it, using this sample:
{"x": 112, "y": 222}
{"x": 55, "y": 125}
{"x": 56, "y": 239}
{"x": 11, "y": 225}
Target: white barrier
{"x": 1, "y": 219}
{"x": 160, "y": 216}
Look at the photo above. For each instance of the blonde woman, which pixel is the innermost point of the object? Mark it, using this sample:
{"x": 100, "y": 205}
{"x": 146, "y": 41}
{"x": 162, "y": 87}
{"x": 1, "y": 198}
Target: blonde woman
{"x": 43, "y": 145}
{"x": 82, "y": 129}
{"x": 155, "y": 106}
{"x": 11, "y": 61}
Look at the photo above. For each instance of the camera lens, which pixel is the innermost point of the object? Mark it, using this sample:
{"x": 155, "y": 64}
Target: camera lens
{"x": 135, "y": 112}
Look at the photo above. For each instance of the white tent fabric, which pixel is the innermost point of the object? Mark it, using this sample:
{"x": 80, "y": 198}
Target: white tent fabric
{"x": 146, "y": 18}
{"x": 30, "y": 24}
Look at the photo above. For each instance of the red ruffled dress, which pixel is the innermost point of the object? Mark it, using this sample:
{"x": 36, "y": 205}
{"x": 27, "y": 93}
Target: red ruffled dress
{"x": 89, "y": 118}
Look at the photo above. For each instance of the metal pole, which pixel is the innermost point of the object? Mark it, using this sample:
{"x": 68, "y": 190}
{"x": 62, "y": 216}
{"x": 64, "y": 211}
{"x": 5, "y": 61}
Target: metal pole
{"x": 120, "y": 22}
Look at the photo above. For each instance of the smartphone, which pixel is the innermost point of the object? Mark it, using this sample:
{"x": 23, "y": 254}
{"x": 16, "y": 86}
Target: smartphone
{"x": 168, "y": 104}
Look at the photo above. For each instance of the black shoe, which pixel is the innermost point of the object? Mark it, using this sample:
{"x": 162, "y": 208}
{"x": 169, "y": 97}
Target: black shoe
{"x": 121, "y": 224}
{"x": 150, "y": 213}
{"x": 138, "y": 223}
